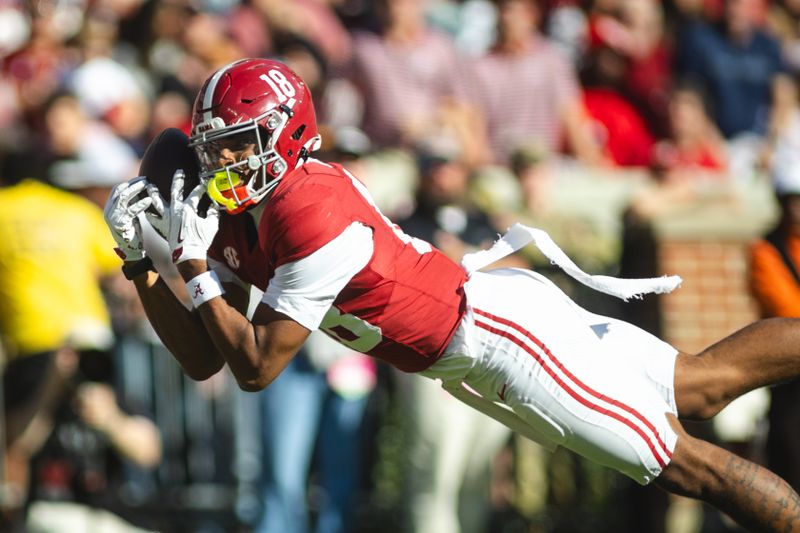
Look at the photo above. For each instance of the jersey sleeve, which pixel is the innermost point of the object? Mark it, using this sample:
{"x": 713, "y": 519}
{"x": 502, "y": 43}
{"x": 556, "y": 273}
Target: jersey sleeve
{"x": 305, "y": 288}
{"x": 306, "y": 220}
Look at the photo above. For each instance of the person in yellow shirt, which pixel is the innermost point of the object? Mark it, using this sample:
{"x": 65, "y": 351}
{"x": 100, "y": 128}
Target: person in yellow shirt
{"x": 54, "y": 249}
{"x": 775, "y": 282}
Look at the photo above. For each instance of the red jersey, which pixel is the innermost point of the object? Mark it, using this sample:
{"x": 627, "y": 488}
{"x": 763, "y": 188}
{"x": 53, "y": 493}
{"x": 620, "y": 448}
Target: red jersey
{"x": 403, "y": 306}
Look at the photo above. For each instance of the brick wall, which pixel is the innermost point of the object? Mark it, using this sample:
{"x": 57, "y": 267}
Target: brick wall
{"x": 714, "y": 299}
{"x": 701, "y": 234}
{"x": 707, "y": 245}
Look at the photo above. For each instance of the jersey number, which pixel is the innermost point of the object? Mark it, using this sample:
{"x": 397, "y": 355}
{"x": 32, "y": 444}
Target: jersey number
{"x": 353, "y": 332}
{"x": 282, "y": 88}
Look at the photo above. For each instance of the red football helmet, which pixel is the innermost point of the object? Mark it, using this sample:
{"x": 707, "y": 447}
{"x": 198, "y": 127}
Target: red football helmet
{"x": 260, "y": 110}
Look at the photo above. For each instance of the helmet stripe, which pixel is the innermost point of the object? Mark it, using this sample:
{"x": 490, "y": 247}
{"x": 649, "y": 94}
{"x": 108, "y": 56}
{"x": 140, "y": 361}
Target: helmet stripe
{"x": 208, "y": 97}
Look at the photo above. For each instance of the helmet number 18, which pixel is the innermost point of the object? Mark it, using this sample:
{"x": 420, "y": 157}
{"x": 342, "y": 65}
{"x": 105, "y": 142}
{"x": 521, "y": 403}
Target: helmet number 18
{"x": 282, "y": 87}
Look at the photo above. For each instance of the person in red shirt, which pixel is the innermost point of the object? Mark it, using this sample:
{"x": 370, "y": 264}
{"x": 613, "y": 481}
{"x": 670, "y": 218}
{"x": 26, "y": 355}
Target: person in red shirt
{"x": 618, "y": 126}
{"x": 506, "y": 341}
{"x": 695, "y": 147}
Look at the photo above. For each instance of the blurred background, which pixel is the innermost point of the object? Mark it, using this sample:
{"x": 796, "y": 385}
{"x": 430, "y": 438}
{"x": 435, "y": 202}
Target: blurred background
{"x": 648, "y": 137}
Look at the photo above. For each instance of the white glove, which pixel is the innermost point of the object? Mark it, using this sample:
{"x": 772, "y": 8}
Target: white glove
{"x": 158, "y": 216}
{"x": 122, "y": 218}
{"x": 189, "y": 235}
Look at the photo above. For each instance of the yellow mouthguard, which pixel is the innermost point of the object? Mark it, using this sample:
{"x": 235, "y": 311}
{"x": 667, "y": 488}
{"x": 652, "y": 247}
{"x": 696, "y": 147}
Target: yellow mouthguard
{"x": 219, "y": 184}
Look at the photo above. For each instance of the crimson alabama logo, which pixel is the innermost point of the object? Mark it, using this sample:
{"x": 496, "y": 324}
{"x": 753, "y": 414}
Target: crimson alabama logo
{"x": 231, "y": 256}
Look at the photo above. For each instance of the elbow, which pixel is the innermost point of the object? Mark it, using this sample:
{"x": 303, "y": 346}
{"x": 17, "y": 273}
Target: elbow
{"x": 254, "y": 384}
{"x": 256, "y": 380}
{"x": 202, "y": 373}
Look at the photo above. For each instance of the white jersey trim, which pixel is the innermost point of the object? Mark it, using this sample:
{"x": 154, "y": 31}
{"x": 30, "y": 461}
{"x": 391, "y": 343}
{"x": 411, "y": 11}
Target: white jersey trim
{"x": 305, "y": 289}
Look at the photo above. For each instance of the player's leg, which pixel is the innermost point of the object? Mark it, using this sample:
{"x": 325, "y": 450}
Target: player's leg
{"x": 761, "y": 354}
{"x": 753, "y": 496}
{"x": 596, "y": 386}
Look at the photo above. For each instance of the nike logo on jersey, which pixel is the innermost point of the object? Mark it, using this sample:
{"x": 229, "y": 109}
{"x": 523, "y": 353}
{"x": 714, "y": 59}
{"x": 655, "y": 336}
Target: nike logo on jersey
{"x": 231, "y": 257}
{"x": 180, "y": 235}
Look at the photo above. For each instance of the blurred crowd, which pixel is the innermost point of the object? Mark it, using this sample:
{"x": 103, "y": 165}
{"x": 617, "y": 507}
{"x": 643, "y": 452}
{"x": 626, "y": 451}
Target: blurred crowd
{"x": 461, "y": 117}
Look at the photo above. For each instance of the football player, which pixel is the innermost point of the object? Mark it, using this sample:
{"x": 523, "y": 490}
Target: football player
{"x": 507, "y": 341}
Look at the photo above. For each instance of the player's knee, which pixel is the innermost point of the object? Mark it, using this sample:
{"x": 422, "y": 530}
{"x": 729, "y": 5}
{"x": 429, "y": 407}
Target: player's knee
{"x": 711, "y": 402}
{"x": 702, "y": 386}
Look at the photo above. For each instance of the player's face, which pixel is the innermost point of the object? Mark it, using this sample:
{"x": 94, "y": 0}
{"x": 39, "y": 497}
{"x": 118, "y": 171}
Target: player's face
{"x": 229, "y": 155}
{"x": 232, "y": 162}
{"x": 227, "y": 151}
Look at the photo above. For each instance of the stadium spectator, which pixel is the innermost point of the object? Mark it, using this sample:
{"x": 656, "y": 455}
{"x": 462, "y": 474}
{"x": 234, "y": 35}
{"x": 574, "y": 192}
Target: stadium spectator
{"x": 206, "y": 37}
{"x": 774, "y": 274}
{"x": 313, "y": 416}
{"x": 315, "y": 21}
{"x": 39, "y": 69}
{"x": 471, "y": 23}
{"x": 339, "y": 103}
{"x": 110, "y": 92}
{"x": 78, "y": 476}
{"x": 734, "y": 64}
{"x": 695, "y": 148}
{"x": 83, "y": 152}
{"x": 528, "y": 90}
{"x": 536, "y": 172}
{"x": 412, "y": 83}
{"x": 450, "y": 446}
{"x": 783, "y": 19}
{"x": 637, "y": 32}
{"x": 54, "y": 255}
{"x": 618, "y": 126}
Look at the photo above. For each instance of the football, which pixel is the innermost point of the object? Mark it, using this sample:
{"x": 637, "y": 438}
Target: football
{"x": 168, "y": 152}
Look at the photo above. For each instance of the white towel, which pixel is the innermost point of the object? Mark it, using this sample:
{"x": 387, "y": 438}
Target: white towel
{"x": 520, "y": 235}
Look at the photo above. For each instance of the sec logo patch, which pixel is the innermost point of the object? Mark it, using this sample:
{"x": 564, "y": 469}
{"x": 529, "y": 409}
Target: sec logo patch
{"x": 231, "y": 256}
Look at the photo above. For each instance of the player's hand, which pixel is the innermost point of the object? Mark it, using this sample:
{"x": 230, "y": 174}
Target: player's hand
{"x": 96, "y": 404}
{"x": 158, "y": 215}
{"x": 122, "y": 216}
{"x": 189, "y": 235}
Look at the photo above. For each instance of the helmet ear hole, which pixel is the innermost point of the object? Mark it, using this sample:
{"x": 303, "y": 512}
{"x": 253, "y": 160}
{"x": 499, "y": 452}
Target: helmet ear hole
{"x": 299, "y": 132}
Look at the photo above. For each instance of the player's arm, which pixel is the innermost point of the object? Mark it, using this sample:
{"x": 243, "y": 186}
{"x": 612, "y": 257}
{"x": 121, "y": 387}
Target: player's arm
{"x": 256, "y": 350}
{"x": 218, "y": 330}
{"x": 299, "y": 295}
{"x": 178, "y": 328}
{"x": 182, "y": 331}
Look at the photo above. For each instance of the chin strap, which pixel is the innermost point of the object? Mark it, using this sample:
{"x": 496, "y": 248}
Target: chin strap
{"x": 520, "y": 235}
